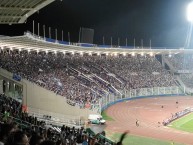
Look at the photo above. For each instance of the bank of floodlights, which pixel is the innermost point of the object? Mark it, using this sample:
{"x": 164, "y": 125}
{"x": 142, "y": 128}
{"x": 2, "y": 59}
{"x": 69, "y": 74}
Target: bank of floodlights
{"x": 190, "y": 12}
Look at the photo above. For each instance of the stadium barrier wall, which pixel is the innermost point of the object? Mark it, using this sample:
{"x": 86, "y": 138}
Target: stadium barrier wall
{"x": 42, "y": 99}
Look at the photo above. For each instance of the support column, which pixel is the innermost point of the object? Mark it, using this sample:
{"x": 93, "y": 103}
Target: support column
{"x": 163, "y": 60}
{"x": 1, "y": 85}
{"x": 6, "y": 88}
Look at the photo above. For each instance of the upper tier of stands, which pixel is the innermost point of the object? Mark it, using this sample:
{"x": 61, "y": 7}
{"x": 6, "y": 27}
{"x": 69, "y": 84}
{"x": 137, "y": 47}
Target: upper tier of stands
{"x": 183, "y": 64}
{"x": 181, "y": 61}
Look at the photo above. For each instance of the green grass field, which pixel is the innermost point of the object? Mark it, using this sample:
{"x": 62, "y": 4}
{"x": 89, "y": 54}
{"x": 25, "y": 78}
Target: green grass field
{"x": 138, "y": 140}
{"x": 185, "y": 123}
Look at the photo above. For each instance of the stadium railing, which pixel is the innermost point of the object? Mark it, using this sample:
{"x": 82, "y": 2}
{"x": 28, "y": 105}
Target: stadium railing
{"x": 111, "y": 99}
{"x": 56, "y": 118}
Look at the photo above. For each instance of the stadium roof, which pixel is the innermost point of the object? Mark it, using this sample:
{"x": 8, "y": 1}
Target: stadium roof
{"x": 17, "y": 11}
{"x": 32, "y": 42}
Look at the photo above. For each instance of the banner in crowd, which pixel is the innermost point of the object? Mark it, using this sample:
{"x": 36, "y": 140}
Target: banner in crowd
{"x": 24, "y": 108}
{"x": 16, "y": 77}
{"x": 155, "y": 73}
{"x": 184, "y": 71}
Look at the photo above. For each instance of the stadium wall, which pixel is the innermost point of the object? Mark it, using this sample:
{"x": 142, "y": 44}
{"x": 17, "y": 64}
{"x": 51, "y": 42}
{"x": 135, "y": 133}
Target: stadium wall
{"x": 39, "y": 98}
{"x": 138, "y": 97}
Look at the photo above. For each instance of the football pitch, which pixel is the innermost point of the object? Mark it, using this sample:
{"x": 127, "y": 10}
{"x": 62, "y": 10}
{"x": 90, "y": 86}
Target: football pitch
{"x": 139, "y": 140}
{"x": 185, "y": 123}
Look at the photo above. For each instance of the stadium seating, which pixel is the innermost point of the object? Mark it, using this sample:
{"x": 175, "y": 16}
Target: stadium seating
{"x": 183, "y": 67}
{"x": 13, "y": 122}
{"x": 85, "y": 79}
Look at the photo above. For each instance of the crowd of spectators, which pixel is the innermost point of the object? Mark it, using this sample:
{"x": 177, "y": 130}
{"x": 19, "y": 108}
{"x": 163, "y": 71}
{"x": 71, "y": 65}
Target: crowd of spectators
{"x": 183, "y": 66}
{"x": 181, "y": 61}
{"x": 85, "y": 79}
{"x": 18, "y": 128}
{"x": 187, "y": 79}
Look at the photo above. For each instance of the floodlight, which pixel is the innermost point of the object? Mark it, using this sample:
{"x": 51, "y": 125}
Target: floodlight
{"x": 151, "y": 54}
{"x": 90, "y": 53}
{"x": 190, "y": 12}
{"x": 133, "y": 54}
{"x": 115, "y": 54}
{"x": 81, "y": 53}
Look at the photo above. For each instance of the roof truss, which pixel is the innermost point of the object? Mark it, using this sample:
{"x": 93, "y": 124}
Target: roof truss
{"x": 17, "y": 11}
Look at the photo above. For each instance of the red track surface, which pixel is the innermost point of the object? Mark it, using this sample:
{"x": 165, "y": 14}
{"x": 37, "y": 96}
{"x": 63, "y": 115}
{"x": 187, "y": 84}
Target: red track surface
{"x": 149, "y": 112}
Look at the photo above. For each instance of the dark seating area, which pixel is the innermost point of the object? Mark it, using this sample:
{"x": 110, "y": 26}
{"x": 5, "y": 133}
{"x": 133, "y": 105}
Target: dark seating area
{"x": 17, "y": 128}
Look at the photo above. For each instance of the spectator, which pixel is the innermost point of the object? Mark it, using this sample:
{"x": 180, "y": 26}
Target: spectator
{"x": 5, "y": 131}
{"x": 48, "y": 142}
{"x": 17, "y": 138}
{"x": 36, "y": 139}
{"x": 122, "y": 138}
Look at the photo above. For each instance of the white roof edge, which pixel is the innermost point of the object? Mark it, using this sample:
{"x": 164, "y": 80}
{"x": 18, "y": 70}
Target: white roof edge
{"x": 31, "y": 12}
{"x": 44, "y": 45}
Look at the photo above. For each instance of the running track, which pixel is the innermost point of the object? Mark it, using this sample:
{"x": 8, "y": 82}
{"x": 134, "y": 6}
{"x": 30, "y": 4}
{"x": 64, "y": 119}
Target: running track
{"x": 149, "y": 112}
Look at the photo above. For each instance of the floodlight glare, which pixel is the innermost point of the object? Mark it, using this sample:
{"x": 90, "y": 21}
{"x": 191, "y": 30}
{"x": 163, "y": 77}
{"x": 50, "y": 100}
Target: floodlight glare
{"x": 90, "y": 53}
{"x": 190, "y": 12}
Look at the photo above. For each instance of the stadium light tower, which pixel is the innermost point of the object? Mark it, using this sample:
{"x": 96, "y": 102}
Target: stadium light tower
{"x": 190, "y": 12}
{"x": 190, "y": 19}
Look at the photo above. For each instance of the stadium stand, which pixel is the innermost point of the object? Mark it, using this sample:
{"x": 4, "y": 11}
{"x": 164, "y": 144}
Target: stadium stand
{"x": 82, "y": 78}
{"x": 85, "y": 79}
{"x": 182, "y": 67}
{"x": 14, "y": 123}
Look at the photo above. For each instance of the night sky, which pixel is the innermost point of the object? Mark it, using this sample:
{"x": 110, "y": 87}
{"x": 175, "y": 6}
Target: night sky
{"x": 162, "y": 21}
